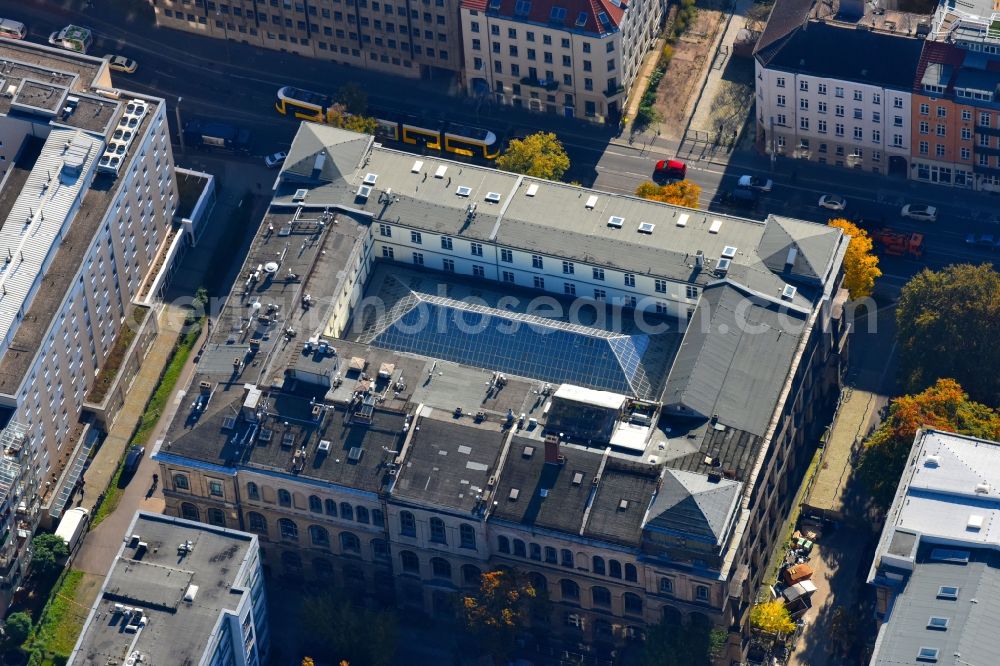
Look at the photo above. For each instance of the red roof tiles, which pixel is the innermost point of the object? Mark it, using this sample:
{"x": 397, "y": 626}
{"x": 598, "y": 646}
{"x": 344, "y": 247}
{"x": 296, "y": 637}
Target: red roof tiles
{"x": 580, "y": 15}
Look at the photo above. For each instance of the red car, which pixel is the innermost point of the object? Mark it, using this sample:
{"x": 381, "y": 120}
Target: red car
{"x": 670, "y": 169}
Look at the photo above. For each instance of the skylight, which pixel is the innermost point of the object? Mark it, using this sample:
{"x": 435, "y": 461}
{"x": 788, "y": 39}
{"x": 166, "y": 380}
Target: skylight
{"x": 463, "y": 190}
{"x": 616, "y": 221}
{"x": 605, "y": 21}
{"x": 947, "y": 592}
{"x": 494, "y": 4}
{"x": 927, "y": 654}
{"x": 937, "y": 623}
{"x": 523, "y": 7}
{"x": 581, "y": 20}
{"x": 493, "y": 197}
{"x": 557, "y": 14}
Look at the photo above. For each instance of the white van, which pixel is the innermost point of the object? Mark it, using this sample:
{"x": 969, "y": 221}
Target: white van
{"x": 11, "y": 29}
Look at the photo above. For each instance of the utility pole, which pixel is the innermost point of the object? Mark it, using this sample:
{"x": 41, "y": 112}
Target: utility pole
{"x": 774, "y": 155}
{"x": 180, "y": 127}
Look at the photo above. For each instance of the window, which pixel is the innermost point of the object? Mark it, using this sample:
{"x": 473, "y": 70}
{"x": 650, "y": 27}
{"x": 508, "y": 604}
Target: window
{"x": 600, "y": 294}
{"x": 536, "y": 261}
{"x": 215, "y": 488}
{"x": 633, "y": 604}
{"x": 535, "y": 552}
{"x": 876, "y": 117}
{"x": 821, "y": 126}
{"x": 897, "y": 140}
{"x": 804, "y": 86}
{"x": 858, "y": 134}
{"x": 539, "y": 282}
{"x": 821, "y": 107}
{"x": 858, "y": 97}
{"x": 781, "y": 120}
{"x": 440, "y": 567}
{"x": 629, "y": 279}
{"x": 966, "y": 154}
{"x": 599, "y": 274}
{"x": 600, "y": 596}
{"x": 568, "y": 267}
{"x": 569, "y": 288}
{"x": 507, "y": 256}
{"x": 377, "y": 518}
{"x": 804, "y": 104}
{"x": 780, "y": 82}
{"x": 315, "y": 504}
{"x": 631, "y": 574}
{"x": 471, "y": 575}
{"x": 803, "y": 123}
{"x": 821, "y": 88}
{"x": 508, "y": 276}
{"x": 858, "y": 115}
{"x": 189, "y": 511}
{"x": 319, "y": 536}
{"x": 614, "y": 568}
{"x": 551, "y": 556}
{"x": 346, "y": 511}
{"x": 409, "y": 561}
{"x": 388, "y": 252}
{"x": 984, "y": 119}
{"x": 701, "y": 593}
{"x": 838, "y": 91}
{"x": 418, "y": 258}
{"x": 569, "y": 589}
{"x": 897, "y": 102}
{"x": 924, "y": 147}
{"x": 966, "y": 134}
{"x": 257, "y": 522}
{"x": 476, "y": 249}
{"x": 284, "y": 497}
{"x": 289, "y": 530}
{"x": 691, "y": 292}
{"x": 519, "y": 548}
{"x": 838, "y": 110}
{"x": 939, "y": 150}
{"x": 445, "y": 243}
{"x": 437, "y": 531}
{"x": 448, "y": 265}
{"x": 349, "y": 542}
{"x": 598, "y": 565}
{"x": 331, "y": 507}
{"x": 566, "y": 557}
{"x": 216, "y": 517}
{"x": 181, "y": 482}
{"x": 780, "y": 99}
{"x": 666, "y": 586}
{"x": 966, "y": 115}
{"x": 361, "y": 515}
{"x": 467, "y": 536}
{"x": 407, "y": 524}
{"x": 876, "y": 136}
{"x": 925, "y": 109}
{"x": 942, "y": 112}
{"x": 941, "y": 129}
{"x": 385, "y": 230}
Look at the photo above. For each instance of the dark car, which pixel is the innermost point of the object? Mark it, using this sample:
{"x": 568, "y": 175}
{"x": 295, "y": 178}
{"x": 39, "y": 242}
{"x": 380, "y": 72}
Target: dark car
{"x": 742, "y": 198}
{"x": 132, "y": 460}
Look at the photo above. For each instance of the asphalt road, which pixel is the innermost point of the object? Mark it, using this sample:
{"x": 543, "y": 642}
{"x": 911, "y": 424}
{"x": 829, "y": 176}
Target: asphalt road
{"x": 238, "y": 82}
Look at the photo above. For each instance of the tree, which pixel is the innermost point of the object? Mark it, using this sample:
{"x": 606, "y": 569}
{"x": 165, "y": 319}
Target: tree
{"x": 948, "y": 324}
{"x": 338, "y": 116}
{"x": 16, "y": 629}
{"x": 694, "y": 643}
{"x": 356, "y": 635}
{"x": 503, "y": 606}
{"x": 540, "y": 155}
{"x": 680, "y": 193}
{"x": 354, "y": 98}
{"x": 48, "y": 552}
{"x": 944, "y": 406}
{"x": 772, "y": 617}
{"x": 860, "y": 263}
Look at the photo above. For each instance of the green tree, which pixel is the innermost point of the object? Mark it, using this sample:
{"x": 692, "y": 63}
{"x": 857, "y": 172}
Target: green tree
{"x": 48, "y": 553}
{"x": 860, "y": 263}
{"x": 354, "y": 98}
{"x": 948, "y": 325}
{"x": 503, "y": 606}
{"x": 16, "y": 629}
{"x": 344, "y": 631}
{"x": 943, "y": 406}
{"x": 694, "y": 643}
{"x": 540, "y": 155}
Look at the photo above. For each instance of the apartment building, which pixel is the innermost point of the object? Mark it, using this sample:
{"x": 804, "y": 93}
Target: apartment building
{"x": 413, "y": 38}
{"x": 577, "y": 59}
{"x": 179, "y": 592}
{"x": 429, "y": 369}
{"x": 936, "y": 564}
{"x": 86, "y": 199}
{"x": 837, "y": 94}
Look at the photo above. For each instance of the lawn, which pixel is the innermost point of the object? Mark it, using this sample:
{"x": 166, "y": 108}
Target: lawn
{"x": 61, "y": 622}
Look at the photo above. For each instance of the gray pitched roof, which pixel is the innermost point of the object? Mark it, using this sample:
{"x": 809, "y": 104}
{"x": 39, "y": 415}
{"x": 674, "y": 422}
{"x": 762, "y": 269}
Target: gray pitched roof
{"x": 785, "y": 18}
{"x": 693, "y": 506}
{"x": 342, "y": 151}
{"x": 815, "y": 245}
{"x": 734, "y": 358}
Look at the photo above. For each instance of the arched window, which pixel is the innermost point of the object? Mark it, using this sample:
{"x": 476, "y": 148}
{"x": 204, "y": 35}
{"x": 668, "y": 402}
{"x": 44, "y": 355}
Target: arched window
{"x": 380, "y": 549}
{"x": 538, "y": 581}
{"x": 409, "y": 561}
{"x": 349, "y": 542}
{"x": 319, "y": 536}
{"x": 437, "y": 531}
{"x": 315, "y": 504}
{"x": 407, "y": 524}
{"x": 331, "y": 508}
{"x": 284, "y": 497}
{"x": 519, "y": 549}
{"x": 467, "y": 536}
{"x": 346, "y": 511}
{"x": 566, "y": 557}
{"x": 292, "y": 561}
{"x": 181, "y": 482}
{"x": 503, "y": 544}
{"x": 216, "y": 517}
{"x": 599, "y": 565}
{"x": 633, "y": 603}
{"x": 440, "y": 567}
{"x": 672, "y": 616}
{"x": 289, "y": 530}
{"x": 601, "y": 596}
{"x": 569, "y": 589}
{"x": 189, "y": 511}
{"x": 378, "y": 518}
{"x": 323, "y": 568}
{"x": 631, "y": 574}
{"x": 551, "y": 555}
{"x": 257, "y": 522}
{"x": 614, "y": 568}
{"x": 471, "y": 575}
{"x": 535, "y": 551}
{"x": 253, "y": 492}
{"x": 361, "y": 513}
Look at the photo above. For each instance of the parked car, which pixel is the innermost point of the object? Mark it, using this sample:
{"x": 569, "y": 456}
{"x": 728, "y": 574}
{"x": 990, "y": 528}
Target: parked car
{"x": 132, "y": 460}
{"x": 120, "y": 63}
{"x": 742, "y": 198}
{"x": 670, "y": 170}
{"x": 275, "y": 159}
{"x": 832, "y": 202}
{"x": 756, "y": 183}
{"x": 921, "y": 212}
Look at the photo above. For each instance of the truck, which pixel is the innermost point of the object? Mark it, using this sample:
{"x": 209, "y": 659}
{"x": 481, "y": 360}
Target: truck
{"x": 211, "y": 134}
{"x": 900, "y": 243}
{"x": 72, "y": 38}
{"x": 73, "y": 526}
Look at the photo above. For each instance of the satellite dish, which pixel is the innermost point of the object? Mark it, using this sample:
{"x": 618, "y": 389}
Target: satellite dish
{"x": 256, "y": 307}
{"x": 271, "y": 267}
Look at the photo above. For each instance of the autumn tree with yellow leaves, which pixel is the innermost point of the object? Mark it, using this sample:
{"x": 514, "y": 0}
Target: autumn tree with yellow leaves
{"x": 540, "y": 155}
{"x": 680, "y": 193}
{"x": 503, "y": 605}
{"x": 860, "y": 264}
{"x": 772, "y": 618}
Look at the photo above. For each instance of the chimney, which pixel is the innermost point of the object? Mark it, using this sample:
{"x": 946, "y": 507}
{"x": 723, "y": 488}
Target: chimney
{"x": 552, "y": 449}
{"x": 793, "y": 253}
{"x": 699, "y": 259}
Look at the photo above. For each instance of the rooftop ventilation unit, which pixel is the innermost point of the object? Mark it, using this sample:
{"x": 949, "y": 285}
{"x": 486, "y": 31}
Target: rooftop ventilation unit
{"x": 532, "y": 190}
{"x": 982, "y": 488}
{"x": 728, "y": 252}
{"x": 324, "y": 445}
{"x": 975, "y": 523}
{"x": 115, "y": 153}
{"x": 616, "y": 222}
{"x": 229, "y": 423}
{"x": 370, "y": 178}
{"x": 463, "y": 190}
{"x": 793, "y": 254}
{"x": 417, "y": 166}
{"x": 493, "y": 197}
{"x": 300, "y": 195}
{"x": 528, "y": 451}
{"x": 699, "y": 259}
{"x": 646, "y": 228}
{"x": 577, "y": 478}
{"x": 191, "y": 593}
{"x": 440, "y": 171}
{"x": 716, "y": 227}
{"x": 723, "y": 266}
{"x": 364, "y": 191}
{"x": 591, "y": 201}
{"x": 932, "y": 461}
{"x": 682, "y": 221}
{"x": 514, "y": 492}
{"x": 623, "y": 505}
{"x": 788, "y": 293}
{"x": 354, "y": 455}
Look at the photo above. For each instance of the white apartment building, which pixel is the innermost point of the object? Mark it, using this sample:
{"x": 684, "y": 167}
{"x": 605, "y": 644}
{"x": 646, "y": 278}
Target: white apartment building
{"x": 574, "y": 58}
{"x": 88, "y": 194}
{"x": 837, "y": 95}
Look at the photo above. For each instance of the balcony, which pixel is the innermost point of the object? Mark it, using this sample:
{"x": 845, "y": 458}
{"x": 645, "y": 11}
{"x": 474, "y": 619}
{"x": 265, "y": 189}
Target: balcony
{"x": 613, "y": 92}
{"x": 989, "y": 131}
{"x": 539, "y": 83}
{"x": 986, "y": 150}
